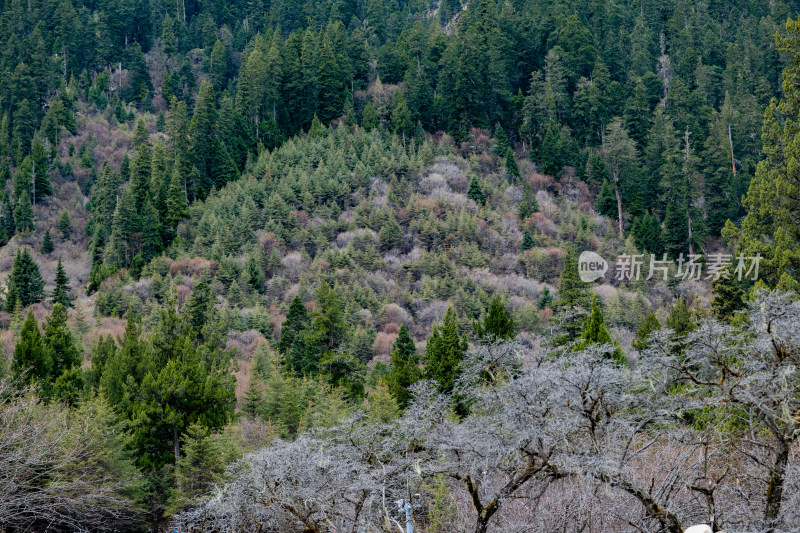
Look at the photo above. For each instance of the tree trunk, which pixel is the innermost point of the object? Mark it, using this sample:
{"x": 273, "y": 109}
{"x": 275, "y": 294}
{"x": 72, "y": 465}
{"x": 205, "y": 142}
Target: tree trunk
{"x": 730, "y": 141}
{"x": 619, "y": 209}
{"x": 777, "y": 477}
{"x": 689, "y": 223}
{"x": 669, "y": 522}
{"x": 176, "y": 444}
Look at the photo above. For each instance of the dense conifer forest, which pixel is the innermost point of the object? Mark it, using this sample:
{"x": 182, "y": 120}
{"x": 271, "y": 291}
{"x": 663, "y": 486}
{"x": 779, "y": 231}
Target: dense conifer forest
{"x": 321, "y": 266}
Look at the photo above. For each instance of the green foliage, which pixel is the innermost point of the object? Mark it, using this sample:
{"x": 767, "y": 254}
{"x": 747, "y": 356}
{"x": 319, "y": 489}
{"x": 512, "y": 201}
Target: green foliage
{"x": 369, "y": 117}
{"x": 529, "y": 205}
{"x": 648, "y": 325}
{"x": 65, "y": 225}
{"x": 205, "y": 455}
{"x": 475, "y": 192}
{"x": 497, "y": 324}
{"x": 512, "y": 170}
{"x": 595, "y": 333}
{"x": 404, "y": 368}
{"x": 47, "y": 243}
{"x": 444, "y": 352}
{"x": 31, "y": 361}
{"x": 606, "y": 203}
{"x": 770, "y": 226}
{"x": 574, "y": 300}
{"x": 728, "y": 296}
{"x": 60, "y": 294}
{"x": 25, "y": 284}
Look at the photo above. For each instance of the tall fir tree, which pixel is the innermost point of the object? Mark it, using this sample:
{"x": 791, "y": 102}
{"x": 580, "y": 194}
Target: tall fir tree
{"x": 497, "y": 324}
{"x": 574, "y": 300}
{"x": 47, "y": 243}
{"x": 444, "y": 352}
{"x": 31, "y": 361}
{"x": 770, "y": 227}
{"x": 404, "y": 368}
{"x": 25, "y": 281}
{"x": 62, "y": 289}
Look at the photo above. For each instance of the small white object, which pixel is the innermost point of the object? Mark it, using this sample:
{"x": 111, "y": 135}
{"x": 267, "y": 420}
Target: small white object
{"x": 700, "y": 528}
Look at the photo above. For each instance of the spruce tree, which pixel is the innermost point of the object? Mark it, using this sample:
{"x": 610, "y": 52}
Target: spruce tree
{"x": 500, "y": 138}
{"x": 41, "y": 182}
{"x": 25, "y": 281}
{"x": 444, "y": 352}
{"x": 64, "y": 225}
{"x": 177, "y": 206}
{"x": 475, "y": 192}
{"x": 31, "y": 360}
{"x": 199, "y": 307}
{"x": 404, "y": 368}
{"x": 728, "y": 297}
{"x": 61, "y": 349}
{"x": 606, "y": 203}
{"x": 294, "y": 325}
{"x": 141, "y": 136}
{"x": 253, "y": 403}
{"x": 770, "y": 227}
{"x": 529, "y": 205}
{"x": 497, "y": 324}
{"x": 675, "y": 234}
{"x": 648, "y": 325}
{"x": 527, "y": 239}
{"x": 62, "y": 289}
{"x": 401, "y": 117}
{"x": 512, "y": 170}
{"x": 595, "y": 333}
{"x": 23, "y": 214}
{"x": 574, "y": 300}
{"x": 47, "y": 243}
{"x": 369, "y": 117}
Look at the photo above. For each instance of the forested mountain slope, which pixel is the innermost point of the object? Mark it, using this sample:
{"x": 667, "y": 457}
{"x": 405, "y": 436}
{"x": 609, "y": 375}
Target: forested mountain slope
{"x": 247, "y": 233}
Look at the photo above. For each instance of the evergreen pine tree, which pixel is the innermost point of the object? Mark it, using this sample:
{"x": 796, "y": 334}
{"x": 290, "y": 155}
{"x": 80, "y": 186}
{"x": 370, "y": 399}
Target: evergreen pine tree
{"x": 401, "y": 117}
{"x": 61, "y": 349}
{"x": 497, "y": 324}
{"x": 64, "y": 225}
{"x": 177, "y": 206}
{"x": 294, "y": 325}
{"x": 574, "y": 300}
{"x": 512, "y": 170}
{"x": 728, "y": 297}
{"x": 369, "y": 117}
{"x": 675, "y": 235}
{"x": 31, "y": 360}
{"x": 404, "y": 368}
{"x": 527, "y": 239}
{"x": 501, "y": 144}
{"x": 47, "y": 243}
{"x": 606, "y": 203}
{"x": 62, "y": 289}
{"x": 529, "y": 205}
{"x": 475, "y": 192}
{"x": 41, "y": 182}
{"x": 648, "y": 325}
{"x": 254, "y": 397}
{"x": 23, "y": 214}
{"x": 199, "y": 307}
{"x": 141, "y": 136}
{"x": 770, "y": 226}
{"x": 25, "y": 280}
{"x": 595, "y": 333}
{"x": 444, "y": 352}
